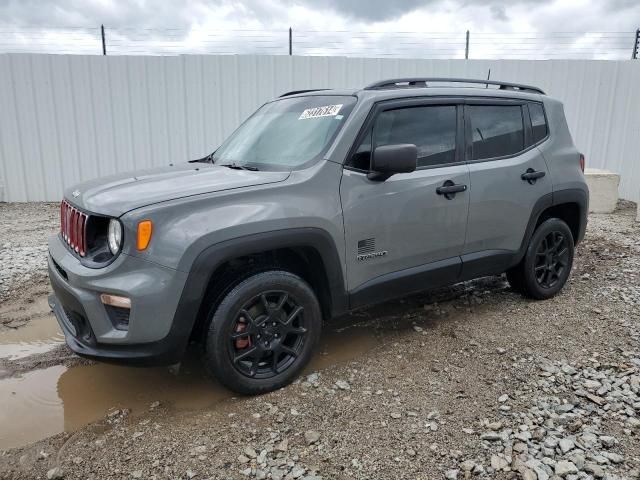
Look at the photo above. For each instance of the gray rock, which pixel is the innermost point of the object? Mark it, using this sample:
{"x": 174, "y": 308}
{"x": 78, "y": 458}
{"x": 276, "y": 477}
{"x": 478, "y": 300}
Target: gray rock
{"x": 566, "y": 445}
{"x": 311, "y": 437}
{"x": 467, "y": 465}
{"x": 577, "y": 459}
{"x": 608, "y": 441}
{"x": 55, "y": 473}
{"x": 591, "y": 384}
{"x": 566, "y": 408}
{"x": 498, "y": 463}
{"x": 250, "y": 452}
{"x": 613, "y": 457}
{"x": 297, "y": 471}
{"x": 594, "y": 469}
{"x": 452, "y": 474}
{"x": 564, "y": 468}
{"x": 342, "y": 385}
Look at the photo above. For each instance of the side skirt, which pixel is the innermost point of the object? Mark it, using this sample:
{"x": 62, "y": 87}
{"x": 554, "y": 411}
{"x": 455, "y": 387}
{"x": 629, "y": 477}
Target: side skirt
{"x": 405, "y": 282}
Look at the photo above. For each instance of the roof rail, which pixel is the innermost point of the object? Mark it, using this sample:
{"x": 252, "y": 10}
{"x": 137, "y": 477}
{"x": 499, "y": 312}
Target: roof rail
{"x": 423, "y": 82}
{"x": 295, "y": 92}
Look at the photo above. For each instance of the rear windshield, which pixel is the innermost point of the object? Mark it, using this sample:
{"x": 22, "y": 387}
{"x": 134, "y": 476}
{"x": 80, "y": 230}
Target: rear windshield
{"x": 286, "y": 134}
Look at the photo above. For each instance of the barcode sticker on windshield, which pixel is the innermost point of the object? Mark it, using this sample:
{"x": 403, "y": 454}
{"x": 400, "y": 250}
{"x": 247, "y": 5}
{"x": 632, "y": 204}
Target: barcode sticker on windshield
{"x": 317, "y": 112}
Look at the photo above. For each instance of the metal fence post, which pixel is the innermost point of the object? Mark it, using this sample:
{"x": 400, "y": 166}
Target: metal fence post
{"x": 290, "y": 41}
{"x": 466, "y": 48}
{"x": 104, "y": 44}
{"x": 636, "y": 45}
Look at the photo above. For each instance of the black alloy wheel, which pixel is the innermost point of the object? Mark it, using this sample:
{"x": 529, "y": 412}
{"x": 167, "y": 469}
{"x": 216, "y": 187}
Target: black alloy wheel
{"x": 268, "y": 335}
{"x": 552, "y": 258}
{"x": 547, "y": 262}
{"x": 263, "y": 331}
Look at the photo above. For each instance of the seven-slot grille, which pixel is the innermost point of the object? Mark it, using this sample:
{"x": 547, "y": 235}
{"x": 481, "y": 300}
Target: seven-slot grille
{"x": 73, "y": 227}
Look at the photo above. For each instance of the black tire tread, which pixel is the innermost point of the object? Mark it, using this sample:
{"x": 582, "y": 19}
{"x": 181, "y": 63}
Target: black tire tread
{"x": 521, "y": 276}
{"x": 214, "y": 360}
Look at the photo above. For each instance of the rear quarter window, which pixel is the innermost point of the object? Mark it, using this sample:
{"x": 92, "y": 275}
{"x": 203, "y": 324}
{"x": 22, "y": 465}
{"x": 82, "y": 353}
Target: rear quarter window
{"x": 539, "y": 128}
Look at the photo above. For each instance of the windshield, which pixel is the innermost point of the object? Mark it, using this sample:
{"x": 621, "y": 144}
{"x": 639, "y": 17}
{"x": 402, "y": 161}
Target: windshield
{"x": 286, "y": 134}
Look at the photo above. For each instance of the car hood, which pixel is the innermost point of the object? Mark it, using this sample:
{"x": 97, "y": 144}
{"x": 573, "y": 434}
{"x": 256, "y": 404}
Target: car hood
{"x": 118, "y": 194}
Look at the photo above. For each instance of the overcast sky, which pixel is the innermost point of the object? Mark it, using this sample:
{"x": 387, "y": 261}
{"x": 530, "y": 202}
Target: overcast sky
{"x": 412, "y": 28}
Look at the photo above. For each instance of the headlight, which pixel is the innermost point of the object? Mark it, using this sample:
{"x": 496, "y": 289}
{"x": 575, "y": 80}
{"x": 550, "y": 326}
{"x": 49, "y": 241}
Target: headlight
{"x": 114, "y": 236}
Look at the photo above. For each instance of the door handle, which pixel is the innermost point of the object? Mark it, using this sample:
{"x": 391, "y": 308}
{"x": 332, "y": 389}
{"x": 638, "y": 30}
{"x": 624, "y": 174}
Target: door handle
{"x": 531, "y": 176}
{"x": 449, "y": 189}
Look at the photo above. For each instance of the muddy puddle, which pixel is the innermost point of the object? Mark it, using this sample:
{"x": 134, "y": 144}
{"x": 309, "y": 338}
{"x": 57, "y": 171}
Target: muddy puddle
{"x": 45, "y": 402}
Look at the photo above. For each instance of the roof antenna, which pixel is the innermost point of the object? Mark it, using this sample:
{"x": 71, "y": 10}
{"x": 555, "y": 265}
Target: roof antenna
{"x": 488, "y": 77}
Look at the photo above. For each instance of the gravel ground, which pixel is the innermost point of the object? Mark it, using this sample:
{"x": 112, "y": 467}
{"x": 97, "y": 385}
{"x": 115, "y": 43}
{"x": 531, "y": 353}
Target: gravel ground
{"x": 471, "y": 381}
{"x": 24, "y": 229}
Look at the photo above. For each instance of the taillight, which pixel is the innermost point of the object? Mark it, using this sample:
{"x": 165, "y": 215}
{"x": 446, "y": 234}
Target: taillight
{"x": 582, "y": 162}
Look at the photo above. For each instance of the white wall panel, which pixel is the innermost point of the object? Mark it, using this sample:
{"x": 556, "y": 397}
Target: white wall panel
{"x": 64, "y": 119}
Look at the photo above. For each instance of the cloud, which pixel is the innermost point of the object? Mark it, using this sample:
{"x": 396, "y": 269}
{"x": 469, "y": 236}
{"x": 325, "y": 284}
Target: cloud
{"x": 499, "y": 12}
{"x": 400, "y": 28}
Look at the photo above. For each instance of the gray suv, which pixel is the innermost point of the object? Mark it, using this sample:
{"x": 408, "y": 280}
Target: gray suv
{"x": 321, "y": 202}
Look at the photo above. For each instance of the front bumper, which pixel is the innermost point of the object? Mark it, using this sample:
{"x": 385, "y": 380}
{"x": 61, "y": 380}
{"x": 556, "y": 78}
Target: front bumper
{"x": 154, "y": 336}
{"x": 82, "y": 342}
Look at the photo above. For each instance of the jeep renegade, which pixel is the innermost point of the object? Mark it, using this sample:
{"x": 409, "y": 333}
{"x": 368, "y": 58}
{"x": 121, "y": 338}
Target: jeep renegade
{"x": 321, "y": 202}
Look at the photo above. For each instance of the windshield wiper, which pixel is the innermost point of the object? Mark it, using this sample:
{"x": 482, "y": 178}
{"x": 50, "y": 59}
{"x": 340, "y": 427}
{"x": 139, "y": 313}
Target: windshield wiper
{"x": 237, "y": 166}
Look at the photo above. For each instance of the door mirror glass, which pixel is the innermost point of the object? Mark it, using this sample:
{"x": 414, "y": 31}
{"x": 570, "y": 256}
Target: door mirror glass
{"x": 391, "y": 159}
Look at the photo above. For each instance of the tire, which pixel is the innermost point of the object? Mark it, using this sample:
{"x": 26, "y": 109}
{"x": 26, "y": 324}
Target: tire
{"x": 547, "y": 263}
{"x": 263, "y": 332}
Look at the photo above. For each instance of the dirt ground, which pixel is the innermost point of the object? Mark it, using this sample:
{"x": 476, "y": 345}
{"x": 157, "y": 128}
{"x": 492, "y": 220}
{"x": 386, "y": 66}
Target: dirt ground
{"x": 468, "y": 381}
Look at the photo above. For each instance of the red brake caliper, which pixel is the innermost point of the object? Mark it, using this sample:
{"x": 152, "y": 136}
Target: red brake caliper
{"x": 244, "y": 342}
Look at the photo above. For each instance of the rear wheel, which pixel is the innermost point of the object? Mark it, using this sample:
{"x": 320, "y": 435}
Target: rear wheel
{"x": 547, "y": 263}
{"x": 263, "y": 332}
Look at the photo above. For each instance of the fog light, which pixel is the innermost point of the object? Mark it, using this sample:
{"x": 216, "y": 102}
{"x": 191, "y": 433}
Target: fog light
{"x": 115, "y": 300}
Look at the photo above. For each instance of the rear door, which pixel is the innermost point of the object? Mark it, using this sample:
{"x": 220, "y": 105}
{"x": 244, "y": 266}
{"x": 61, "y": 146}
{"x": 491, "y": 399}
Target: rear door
{"x": 508, "y": 176}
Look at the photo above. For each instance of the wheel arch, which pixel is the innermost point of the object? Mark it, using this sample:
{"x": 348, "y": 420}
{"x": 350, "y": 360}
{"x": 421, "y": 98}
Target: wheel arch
{"x": 569, "y": 205}
{"x": 310, "y": 253}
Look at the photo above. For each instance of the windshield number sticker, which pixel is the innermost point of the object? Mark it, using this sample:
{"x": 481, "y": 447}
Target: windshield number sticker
{"x": 317, "y": 112}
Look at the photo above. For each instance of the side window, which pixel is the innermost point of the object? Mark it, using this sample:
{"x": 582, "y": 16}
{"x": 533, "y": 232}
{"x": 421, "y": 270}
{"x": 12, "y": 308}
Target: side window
{"x": 539, "y": 127}
{"x": 432, "y": 129}
{"x": 496, "y": 130}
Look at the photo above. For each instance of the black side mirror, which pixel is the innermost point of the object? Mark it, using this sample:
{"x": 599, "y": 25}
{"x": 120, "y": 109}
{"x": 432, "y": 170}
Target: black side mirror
{"x": 391, "y": 159}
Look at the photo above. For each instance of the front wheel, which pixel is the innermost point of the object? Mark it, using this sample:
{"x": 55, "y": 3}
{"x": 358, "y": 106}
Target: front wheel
{"x": 547, "y": 263}
{"x": 263, "y": 333}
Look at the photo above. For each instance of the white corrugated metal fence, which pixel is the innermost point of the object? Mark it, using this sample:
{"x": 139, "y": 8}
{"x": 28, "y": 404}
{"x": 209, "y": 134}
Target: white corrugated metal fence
{"x": 66, "y": 118}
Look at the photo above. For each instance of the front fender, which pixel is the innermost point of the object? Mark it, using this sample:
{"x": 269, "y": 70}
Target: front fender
{"x": 213, "y": 256}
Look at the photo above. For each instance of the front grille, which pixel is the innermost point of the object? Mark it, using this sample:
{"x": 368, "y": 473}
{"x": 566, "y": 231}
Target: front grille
{"x": 73, "y": 227}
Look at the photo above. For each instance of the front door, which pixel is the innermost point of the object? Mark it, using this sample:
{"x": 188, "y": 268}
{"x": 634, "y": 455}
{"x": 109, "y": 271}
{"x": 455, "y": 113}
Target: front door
{"x": 400, "y": 228}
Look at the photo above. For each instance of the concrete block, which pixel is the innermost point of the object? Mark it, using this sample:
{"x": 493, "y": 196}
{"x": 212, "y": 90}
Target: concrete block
{"x": 603, "y": 190}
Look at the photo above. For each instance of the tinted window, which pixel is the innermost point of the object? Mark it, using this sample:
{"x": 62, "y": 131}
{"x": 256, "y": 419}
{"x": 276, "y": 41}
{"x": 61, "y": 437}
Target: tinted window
{"x": 538, "y": 122}
{"x": 432, "y": 129}
{"x": 497, "y": 130}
